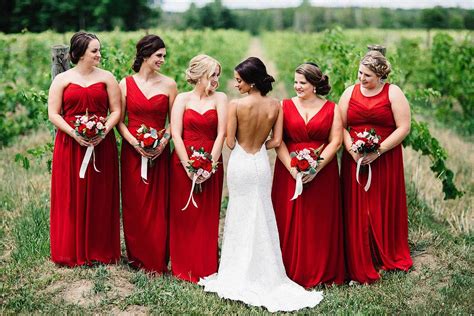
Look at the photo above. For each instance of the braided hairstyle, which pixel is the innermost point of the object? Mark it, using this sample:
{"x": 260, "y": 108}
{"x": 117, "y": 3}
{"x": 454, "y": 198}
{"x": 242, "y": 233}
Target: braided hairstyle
{"x": 145, "y": 48}
{"x": 377, "y": 63}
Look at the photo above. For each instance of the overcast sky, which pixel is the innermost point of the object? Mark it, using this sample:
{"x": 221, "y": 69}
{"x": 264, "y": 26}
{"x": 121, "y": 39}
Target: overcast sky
{"x": 183, "y": 5}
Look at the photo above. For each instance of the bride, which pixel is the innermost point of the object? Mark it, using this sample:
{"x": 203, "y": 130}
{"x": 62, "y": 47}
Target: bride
{"x": 251, "y": 267}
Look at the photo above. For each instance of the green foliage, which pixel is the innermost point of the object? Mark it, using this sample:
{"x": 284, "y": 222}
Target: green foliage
{"x": 421, "y": 140}
{"x": 338, "y": 56}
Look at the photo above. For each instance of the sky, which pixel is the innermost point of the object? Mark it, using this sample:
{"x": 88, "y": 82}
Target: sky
{"x": 183, "y": 5}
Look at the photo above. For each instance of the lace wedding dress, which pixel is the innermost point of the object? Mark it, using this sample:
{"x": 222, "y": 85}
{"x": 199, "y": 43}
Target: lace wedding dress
{"x": 251, "y": 268}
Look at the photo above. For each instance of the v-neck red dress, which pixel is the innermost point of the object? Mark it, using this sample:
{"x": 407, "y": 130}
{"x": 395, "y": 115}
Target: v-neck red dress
{"x": 310, "y": 227}
{"x": 85, "y": 213}
{"x": 376, "y": 221}
{"x": 194, "y": 231}
{"x": 145, "y": 205}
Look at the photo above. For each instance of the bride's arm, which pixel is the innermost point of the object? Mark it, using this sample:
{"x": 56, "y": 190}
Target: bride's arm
{"x": 231, "y": 124}
{"x": 221, "y": 107}
{"x": 277, "y": 131}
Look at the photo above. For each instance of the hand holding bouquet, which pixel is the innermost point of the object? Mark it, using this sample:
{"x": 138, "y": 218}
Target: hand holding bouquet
{"x": 365, "y": 143}
{"x": 149, "y": 146}
{"x": 92, "y": 129}
{"x": 201, "y": 166}
{"x": 305, "y": 161}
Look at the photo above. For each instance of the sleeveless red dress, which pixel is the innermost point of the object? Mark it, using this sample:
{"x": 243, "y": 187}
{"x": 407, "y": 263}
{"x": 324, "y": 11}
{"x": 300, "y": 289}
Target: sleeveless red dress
{"x": 145, "y": 206}
{"x": 85, "y": 213}
{"x": 310, "y": 227}
{"x": 376, "y": 221}
{"x": 194, "y": 231}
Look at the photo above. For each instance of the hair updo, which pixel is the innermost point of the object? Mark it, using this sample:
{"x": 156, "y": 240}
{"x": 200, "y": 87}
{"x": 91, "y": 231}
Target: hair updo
{"x": 377, "y": 63}
{"x": 78, "y": 45}
{"x": 145, "y": 48}
{"x": 253, "y": 71}
{"x": 315, "y": 77}
{"x": 202, "y": 66}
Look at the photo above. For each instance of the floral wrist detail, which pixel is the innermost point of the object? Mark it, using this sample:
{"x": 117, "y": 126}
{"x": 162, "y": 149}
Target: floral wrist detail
{"x": 167, "y": 136}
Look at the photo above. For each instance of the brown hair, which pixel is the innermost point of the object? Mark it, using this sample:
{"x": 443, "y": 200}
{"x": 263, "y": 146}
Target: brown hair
{"x": 377, "y": 63}
{"x": 78, "y": 45}
{"x": 145, "y": 48}
{"x": 314, "y": 75}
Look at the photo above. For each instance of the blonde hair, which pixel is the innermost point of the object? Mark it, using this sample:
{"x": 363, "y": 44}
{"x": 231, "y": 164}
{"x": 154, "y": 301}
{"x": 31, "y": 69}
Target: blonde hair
{"x": 377, "y": 63}
{"x": 200, "y": 66}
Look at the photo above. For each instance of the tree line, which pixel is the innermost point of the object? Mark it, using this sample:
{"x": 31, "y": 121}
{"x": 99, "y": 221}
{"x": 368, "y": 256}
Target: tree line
{"x": 103, "y": 15}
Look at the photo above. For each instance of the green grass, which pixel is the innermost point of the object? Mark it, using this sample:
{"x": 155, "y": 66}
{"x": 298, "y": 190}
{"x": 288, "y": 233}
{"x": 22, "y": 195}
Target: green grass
{"x": 440, "y": 282}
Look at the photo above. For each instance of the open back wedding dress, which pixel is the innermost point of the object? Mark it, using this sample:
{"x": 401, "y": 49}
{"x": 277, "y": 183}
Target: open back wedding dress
{"x": 251, "y": 267}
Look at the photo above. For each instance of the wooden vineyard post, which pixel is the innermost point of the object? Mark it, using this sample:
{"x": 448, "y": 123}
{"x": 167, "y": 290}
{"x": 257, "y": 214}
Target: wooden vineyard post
{"x": 379, "y": 48}
{"x": 59, "y": 59}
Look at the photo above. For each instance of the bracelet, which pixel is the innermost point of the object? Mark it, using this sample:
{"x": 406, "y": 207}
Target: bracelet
{"x": 378, "y": 152}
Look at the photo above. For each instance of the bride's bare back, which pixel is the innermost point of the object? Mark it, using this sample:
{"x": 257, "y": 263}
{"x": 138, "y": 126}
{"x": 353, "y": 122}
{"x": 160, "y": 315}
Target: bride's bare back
{"x": 251, "y": 119}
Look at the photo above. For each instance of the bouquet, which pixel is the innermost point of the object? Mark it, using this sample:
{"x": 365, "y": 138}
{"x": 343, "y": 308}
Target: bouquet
{"x": 199, "y": 164}
{"x": 89, "y": 126}
{"x": 305, "y": 161}
{"x": 364, "y": 143}
{"x": 148, "y": 139}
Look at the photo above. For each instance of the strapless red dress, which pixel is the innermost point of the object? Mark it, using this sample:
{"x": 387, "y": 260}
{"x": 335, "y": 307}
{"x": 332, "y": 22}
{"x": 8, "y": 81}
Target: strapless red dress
{"x": 194, "y": 231}
{"x": 85, "y": 213}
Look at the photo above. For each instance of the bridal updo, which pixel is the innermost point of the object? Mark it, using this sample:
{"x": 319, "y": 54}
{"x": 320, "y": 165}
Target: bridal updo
{"x": 253, "y": 71}
{"x": 315, "y": 77}
{"x": 145, "y": 48}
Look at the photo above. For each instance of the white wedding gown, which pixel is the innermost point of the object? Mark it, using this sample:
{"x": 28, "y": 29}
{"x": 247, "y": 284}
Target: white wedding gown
{"x": 251, "y": 267}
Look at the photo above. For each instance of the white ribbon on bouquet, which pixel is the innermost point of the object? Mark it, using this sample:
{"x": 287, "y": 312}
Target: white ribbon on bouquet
{"x": 191, "y": 197}
{"x": 299, "y": 186}
{"x": 369, "y": 179}
{"x": 144, "y": 169}
{"x": 85, "y": 162}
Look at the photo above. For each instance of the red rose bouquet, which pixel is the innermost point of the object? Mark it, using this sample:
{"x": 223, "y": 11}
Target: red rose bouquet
{"x": 200, "y": 163}
{"x": 364, "y": 143}
{"x": 305, "y": 161}
{"x": 148, "y": 139}
{"x": 89, "y": 126}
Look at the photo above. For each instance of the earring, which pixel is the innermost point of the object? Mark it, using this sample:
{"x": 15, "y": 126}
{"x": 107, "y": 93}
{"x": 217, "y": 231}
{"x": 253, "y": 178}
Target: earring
{"x": 252, "y": 85}
{"x": 314, "y": 90}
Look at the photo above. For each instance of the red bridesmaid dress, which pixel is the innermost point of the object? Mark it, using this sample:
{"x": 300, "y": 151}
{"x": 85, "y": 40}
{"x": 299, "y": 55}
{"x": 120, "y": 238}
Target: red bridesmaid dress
{"x": 376, "y": 221}
{"x": 85, "y": 213}
{"x": 310, "y": 227}
{"x": 194, "y": 231}
{"x": 145, "y": 205}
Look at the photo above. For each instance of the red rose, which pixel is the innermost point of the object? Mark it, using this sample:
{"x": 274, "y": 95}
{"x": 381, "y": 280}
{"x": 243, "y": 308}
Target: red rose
{"x": 91, "y": 132}
{"x": 207, "y": 166}
{"x": 303, "y": 165}
{"x": 294, "y": 162}
{"x": 196, "y": 164}
{"x": 148, "y": 142}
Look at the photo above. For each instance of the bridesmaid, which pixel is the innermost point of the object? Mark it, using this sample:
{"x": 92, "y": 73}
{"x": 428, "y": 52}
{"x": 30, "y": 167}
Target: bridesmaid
{"x": 310, "y": 227}
{"x": 198, "y": 119}
{"x": 146, "y": 99}
{"x": 376, "y": 221}
{"x": 85, "y": 212}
